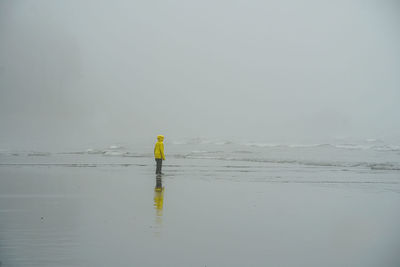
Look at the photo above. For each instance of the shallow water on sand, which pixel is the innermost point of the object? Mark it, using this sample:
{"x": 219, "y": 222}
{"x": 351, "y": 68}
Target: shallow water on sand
{"x": 202, "y": 212}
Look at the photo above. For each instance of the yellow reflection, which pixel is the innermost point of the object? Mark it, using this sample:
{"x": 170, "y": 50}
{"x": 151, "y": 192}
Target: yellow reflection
{"x": 159, "y": 197}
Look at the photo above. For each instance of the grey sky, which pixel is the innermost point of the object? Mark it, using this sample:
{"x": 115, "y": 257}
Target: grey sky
{"x": 74, "y": 72}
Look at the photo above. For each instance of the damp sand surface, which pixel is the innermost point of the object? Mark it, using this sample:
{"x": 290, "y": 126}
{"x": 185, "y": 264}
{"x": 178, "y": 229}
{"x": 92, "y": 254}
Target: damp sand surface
{"x": 199, "y": 213}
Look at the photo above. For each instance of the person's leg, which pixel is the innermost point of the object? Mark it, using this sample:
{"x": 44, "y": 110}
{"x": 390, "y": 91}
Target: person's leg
{"x": 158, "y": 169}
{"x": 160, "y": 166}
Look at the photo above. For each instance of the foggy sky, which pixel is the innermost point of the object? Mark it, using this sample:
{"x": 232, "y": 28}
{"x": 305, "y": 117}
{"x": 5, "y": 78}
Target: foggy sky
{"x": 79, "y": 72}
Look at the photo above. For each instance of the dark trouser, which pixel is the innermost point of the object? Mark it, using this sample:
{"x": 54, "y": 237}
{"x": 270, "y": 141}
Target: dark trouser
{"x": 159, "y": 165}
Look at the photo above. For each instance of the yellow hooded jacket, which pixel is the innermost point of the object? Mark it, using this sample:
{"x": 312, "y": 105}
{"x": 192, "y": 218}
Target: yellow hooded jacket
{"x": 159, "y": 148}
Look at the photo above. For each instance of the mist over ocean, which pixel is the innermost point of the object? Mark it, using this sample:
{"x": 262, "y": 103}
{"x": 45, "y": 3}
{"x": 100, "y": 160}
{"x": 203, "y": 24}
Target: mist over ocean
{"x": 73, "y": 74}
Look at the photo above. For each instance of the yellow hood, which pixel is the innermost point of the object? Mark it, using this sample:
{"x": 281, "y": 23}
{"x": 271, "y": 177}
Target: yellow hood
{"x": 160, "y": 138}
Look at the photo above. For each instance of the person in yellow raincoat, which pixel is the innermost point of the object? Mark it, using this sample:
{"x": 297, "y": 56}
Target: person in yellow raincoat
{"x": 159, "y": 153}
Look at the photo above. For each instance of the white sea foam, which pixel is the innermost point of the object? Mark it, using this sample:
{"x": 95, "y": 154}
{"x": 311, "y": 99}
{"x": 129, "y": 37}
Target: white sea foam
{"x": 261, "y": 144}
{"x": 199, "y": 151}
{"x": 115, "y": 147}
{"x": 94, "y": 151}
{"x": 114, "y": 153}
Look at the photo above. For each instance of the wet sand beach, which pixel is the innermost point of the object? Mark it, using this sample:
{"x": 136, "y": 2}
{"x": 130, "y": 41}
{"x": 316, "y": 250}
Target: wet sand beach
{"x": 200, "y": 213}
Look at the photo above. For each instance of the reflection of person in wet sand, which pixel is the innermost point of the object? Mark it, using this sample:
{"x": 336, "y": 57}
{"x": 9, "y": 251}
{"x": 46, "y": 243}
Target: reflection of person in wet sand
{"x": 159, "y": 195}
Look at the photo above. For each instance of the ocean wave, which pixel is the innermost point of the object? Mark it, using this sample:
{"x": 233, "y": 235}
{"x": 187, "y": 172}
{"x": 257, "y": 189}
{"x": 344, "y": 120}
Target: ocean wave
{"x": 38, "y": 154}
{"x": 243, "y": 152}
{"x": 381, "y": 147}
{"x": 385, "y": 166}
{"x": 10, "y": 153}
{"x": 367, "y": 144}
{"x": 223, "y": 143}
{"x": 94, "y": 151}
{"x": 115, "y": 153}
{"x": 261, "y": 144}
{"x": 116, "y": 150}
{"x": 192, "y": 141}
{"x": 199, "y": 151}
{"x": 204, "y": 155}
{"x": 312, "y": 163}
{"x": 77, "y": 165}
{"x": 25, "y": 153}
{"x": 279, "y": 145}
{"x": 373, "y": 166}
{"x": 373, "y": 140}
{"x": 387, "y": 148}
{"x": 115, "y": 147}
{"x": 201, "y": 141}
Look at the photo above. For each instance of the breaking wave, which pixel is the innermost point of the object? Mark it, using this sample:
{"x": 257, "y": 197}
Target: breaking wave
{"x": 371, "y": 154}
{"x": 76, "y": 165}
{"x": 368, "y": 144}
{"x": 393, "y": 166}
{"x": 335, "y": 146}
